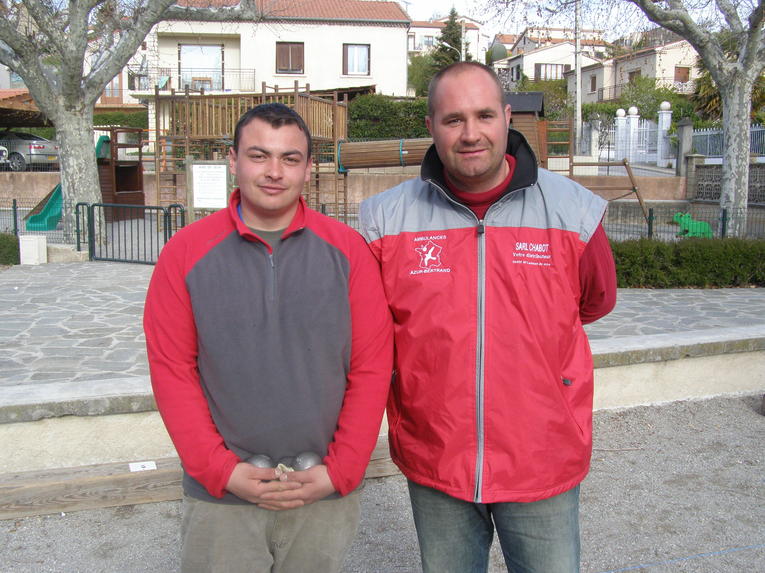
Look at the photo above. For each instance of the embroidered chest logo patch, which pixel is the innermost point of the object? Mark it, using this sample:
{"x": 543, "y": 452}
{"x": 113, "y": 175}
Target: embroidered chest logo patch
{"x": 534, "y": 254}
{"x": 429, "y": 253}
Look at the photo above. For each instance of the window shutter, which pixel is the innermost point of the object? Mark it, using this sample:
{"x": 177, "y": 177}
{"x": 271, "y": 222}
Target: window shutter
{"x": 282, "y": 57}
{"x": 297, "y": 58}
{"x": 345, "y": 59}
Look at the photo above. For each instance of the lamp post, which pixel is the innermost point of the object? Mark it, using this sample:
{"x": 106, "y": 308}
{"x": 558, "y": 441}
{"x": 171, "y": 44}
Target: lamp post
{"x": 445, "y": 45}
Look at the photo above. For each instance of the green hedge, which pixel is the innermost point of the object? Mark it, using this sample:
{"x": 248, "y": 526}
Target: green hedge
{"x": 382, "y": 117}
{"x": 690, "y": 263}
{"x": 9, "y": 249}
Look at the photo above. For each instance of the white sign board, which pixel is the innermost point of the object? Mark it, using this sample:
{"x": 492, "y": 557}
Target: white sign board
{"x": 210, "y": 185}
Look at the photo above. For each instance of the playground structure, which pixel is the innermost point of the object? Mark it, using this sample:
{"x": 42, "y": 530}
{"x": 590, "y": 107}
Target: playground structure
{"x": 120, "y": 175}
{"x": 192, "y": 126}
{"x": 199, "y": 127}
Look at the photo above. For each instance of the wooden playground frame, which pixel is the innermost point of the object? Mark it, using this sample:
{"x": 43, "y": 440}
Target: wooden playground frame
{"x": 199, "y": 126}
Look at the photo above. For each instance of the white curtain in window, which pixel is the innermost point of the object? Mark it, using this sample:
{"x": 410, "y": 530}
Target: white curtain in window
{"x": 358, "y": 59}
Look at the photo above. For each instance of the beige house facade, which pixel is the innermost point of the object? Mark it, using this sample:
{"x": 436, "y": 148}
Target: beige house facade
{"x": 672, "y": 65}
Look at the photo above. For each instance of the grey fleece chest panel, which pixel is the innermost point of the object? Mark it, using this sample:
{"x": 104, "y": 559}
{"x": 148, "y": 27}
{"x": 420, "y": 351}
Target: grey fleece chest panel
{"x": 274, "y": 341}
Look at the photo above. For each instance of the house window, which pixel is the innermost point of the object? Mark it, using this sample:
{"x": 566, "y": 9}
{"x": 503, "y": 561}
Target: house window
{"x": 550, "y": 71}
{"x": 355, "y": 59}
{"x": 113, "y": 91}
{"x": 682, "y": 74}
{"x": 201, "y": 66}
{"x": 593, "y": 84}
{"x": 427, "y": 41}
{"x": 289, "y": 58}
{"x": 410, "y": 42}
{"x": 633, "y": 75}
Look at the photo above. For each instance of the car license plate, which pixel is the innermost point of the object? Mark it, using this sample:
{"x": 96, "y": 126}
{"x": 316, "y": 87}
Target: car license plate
{"x": 52, "y": 157}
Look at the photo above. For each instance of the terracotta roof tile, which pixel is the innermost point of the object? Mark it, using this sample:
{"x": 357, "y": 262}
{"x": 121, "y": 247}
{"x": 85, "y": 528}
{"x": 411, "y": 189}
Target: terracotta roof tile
{"x": 317, "y": 9}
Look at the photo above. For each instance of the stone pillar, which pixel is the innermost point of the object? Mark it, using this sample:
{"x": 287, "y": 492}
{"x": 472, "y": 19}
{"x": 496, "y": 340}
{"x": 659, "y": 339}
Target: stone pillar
{"x": 684, "y": 144}
{"x": 633, "y": 120}
{"x": 594, "y": 150}
{"x": 621, "y": 148}
{"x": 662, "y": 142}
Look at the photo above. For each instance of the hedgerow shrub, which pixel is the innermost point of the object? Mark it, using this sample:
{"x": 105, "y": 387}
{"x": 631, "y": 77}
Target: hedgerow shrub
{"x": 9, "y": 249}
{"x": 376, "y": 116}
{"x": 690, "y": 263}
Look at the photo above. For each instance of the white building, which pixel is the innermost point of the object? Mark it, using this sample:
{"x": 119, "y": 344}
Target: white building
{"x": 546, "y": 63}
{"x": 591, "y": 42}
{"x": 327, "y": 44}
{"x": 423, "y": 36}
{"x": 672, "y": 65}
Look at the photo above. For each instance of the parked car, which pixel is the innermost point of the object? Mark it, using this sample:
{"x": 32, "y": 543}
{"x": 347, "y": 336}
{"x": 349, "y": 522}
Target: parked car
{"x": 24, "y": 150}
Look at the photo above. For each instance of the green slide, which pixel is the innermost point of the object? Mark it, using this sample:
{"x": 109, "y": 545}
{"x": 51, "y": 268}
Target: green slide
{"x": 48, "y": 218}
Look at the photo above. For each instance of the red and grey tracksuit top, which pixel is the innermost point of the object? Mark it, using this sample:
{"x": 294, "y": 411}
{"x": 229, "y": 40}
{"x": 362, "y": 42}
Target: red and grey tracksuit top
{"x": 252, "y": 351}
{"x": 492, "y": 398}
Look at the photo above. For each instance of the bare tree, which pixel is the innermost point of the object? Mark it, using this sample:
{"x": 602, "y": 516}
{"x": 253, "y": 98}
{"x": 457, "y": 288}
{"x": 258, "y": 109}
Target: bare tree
{"x": 68, "y": 51}
{"x": 735, "y": 74}
{"x": 706, "y": 25}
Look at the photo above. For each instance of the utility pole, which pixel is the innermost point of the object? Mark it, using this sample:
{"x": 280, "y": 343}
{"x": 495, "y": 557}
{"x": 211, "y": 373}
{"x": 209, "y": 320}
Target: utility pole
{"x": 462, "y": 41}
{"x": 578, "y": 74}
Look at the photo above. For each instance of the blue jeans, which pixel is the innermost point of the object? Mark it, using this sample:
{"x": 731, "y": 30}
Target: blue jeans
{"x": 536, "y": 537}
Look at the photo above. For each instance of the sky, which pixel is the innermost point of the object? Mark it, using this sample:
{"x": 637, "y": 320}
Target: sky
{"x": 491, "y": 24}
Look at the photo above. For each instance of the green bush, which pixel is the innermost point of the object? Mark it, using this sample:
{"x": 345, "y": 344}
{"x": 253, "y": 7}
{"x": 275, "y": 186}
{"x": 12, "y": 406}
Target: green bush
{"x": 382, "y": 117}
{"x": 690, "y": 263}
{"x": 9, "y": 249}
{"x": 123, "y": 119}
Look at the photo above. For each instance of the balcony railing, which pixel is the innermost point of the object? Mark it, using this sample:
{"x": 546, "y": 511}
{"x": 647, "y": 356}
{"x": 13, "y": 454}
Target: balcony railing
{"x": 197, "y": 79}
{"x": 609, "y": 93}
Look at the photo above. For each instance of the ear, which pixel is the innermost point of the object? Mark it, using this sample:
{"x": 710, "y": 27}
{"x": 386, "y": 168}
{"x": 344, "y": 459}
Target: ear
{"x": 307, "y": 177}
{"x": 507, "y": 114}
{"x": 231, "y": 161}
{"x": 429, "y": 124}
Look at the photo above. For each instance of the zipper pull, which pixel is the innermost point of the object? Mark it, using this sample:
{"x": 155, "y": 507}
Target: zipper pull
{"x": 480, "y": 227}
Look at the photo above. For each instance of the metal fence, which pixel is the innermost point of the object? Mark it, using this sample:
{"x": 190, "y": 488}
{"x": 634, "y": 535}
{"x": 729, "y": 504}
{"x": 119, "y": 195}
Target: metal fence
{"x": 625, "y": 221}
{"x": 137, "y": 233}
{"x": 14, "y": 219}
{"x": 126, "y": 233}
{"x": 709, "y": 142}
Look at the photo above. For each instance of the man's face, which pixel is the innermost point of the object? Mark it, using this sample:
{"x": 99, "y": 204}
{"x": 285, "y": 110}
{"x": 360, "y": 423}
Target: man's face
{"x": 469, "y": 128}
{"x": 271, "y": 167}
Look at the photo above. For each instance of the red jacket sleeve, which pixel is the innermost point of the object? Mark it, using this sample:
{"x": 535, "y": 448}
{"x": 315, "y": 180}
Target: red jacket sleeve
{"x": 171, "y": 342}
{"x": 368, "y": 380}
{"x": 597, "y": 278}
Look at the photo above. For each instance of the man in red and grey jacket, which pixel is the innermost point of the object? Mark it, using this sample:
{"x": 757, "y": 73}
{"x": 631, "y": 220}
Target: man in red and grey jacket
{"x": 491, "y": 266}
{"x": 268, "y": 335}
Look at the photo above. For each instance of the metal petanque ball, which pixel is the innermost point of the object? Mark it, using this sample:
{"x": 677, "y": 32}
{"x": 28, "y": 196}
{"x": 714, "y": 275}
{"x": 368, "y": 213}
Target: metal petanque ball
{"x": 261, "y": 461}
{"x": 306, "y": 460}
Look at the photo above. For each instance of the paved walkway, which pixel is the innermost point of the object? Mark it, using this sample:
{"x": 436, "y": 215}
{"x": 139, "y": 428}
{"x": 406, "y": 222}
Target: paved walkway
{"x": 72, "y": 322}
{"x": 676, "y": 488}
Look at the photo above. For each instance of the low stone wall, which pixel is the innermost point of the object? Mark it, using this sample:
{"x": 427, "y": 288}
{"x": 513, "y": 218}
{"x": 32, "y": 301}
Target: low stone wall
{"x": 28, "y": 188}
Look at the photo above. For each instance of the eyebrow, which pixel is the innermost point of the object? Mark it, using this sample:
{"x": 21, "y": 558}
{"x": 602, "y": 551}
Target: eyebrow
{"x": 288, "y": 153}
{"x": 462, "y": 113}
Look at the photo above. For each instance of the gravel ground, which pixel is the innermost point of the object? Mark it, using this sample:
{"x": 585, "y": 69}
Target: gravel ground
{"x": 673, "y": 488}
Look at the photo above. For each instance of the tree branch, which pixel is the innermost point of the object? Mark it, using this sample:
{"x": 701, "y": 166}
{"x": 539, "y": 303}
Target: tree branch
{"x": 731, "y": 16}
{"x": 752, "y": 54}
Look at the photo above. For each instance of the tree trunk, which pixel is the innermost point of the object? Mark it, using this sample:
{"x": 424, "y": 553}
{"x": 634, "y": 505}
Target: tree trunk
{"x": 736, "y": 99}
{"x": 79, "y": 172}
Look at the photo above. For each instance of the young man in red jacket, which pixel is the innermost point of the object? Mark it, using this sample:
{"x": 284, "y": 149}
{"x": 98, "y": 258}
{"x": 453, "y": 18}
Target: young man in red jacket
{"x": 268, "y": 335}
{"x": 491, "y": 265}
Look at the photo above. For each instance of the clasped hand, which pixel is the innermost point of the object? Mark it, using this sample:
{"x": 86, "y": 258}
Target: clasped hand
{"x": 272, "y": 489}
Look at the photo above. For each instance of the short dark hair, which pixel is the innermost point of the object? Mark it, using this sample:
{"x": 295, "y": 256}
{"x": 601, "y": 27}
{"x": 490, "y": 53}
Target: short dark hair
{"x": 460, "y": 67}
{"x": 276, "y": 115}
